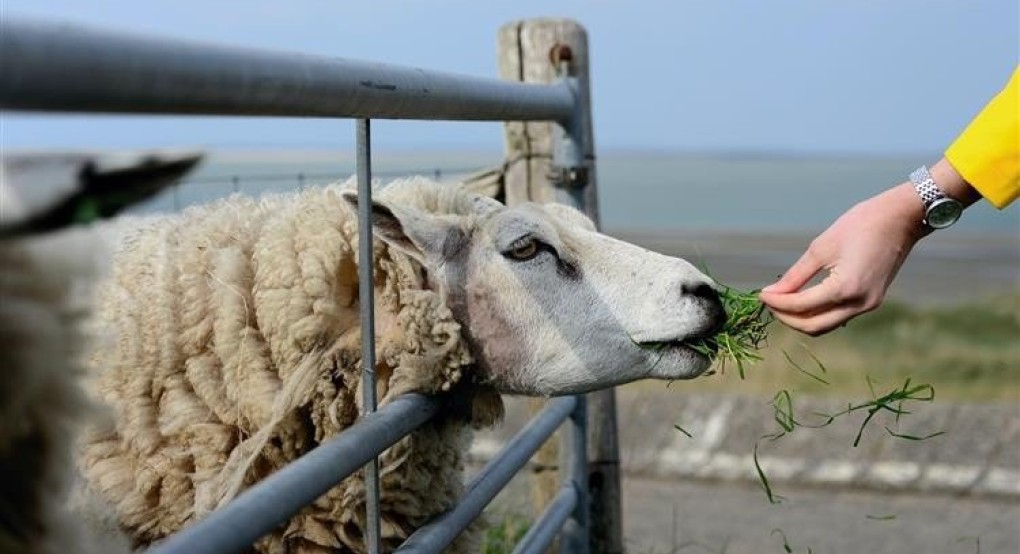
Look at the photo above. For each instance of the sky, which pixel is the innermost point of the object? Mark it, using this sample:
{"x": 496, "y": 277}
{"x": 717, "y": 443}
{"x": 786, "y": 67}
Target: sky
{"x": 883, "y": 77}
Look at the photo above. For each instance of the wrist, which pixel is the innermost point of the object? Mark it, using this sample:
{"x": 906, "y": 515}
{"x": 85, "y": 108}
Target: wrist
{"x": 952, "y": 184}
{"x": 909, "y": 209}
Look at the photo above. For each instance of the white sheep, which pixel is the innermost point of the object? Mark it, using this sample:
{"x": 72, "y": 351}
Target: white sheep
{"x": 43, "y": 310}
{"x": 48, "y": 267}
{"x": 236, "y": 345}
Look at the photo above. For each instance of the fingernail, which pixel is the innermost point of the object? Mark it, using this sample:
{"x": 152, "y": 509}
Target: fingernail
{"x": 769, "y": 288}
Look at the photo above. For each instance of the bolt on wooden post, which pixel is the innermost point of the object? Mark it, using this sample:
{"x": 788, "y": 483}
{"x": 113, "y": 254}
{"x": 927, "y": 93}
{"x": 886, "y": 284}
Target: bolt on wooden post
{"x": 536, "y": 51}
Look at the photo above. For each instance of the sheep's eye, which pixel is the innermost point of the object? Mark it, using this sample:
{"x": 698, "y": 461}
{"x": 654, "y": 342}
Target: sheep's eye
{"x": 524, "y": 250}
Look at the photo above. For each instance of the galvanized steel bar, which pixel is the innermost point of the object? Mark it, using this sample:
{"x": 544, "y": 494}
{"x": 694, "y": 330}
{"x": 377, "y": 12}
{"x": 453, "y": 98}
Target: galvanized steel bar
{"x": 544, "y": 529}
{"x": 366, "y": 296}
{"x": 575, "y": 532}
{"x": 72, "y": 68}
{"x": 272, "y": 501}
{"x": 441, "y": 531}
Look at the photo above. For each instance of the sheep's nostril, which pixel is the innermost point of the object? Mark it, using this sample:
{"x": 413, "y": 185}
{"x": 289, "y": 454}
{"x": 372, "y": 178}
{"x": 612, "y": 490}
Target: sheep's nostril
{"x": 701, "y": 290}
{"x": 716, "y": 316}
{"x": 712, "y": 303}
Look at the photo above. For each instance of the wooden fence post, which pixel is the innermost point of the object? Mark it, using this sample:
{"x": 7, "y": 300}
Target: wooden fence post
{"x": 528, "y": 51}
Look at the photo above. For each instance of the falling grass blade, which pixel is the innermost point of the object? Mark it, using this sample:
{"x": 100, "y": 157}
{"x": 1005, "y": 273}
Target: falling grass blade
{"x": 797, "y": 366}
{"x": 782, "y": 407}
{"x": 860, "y": 432}
{"x": 684, "y": 431}
{"x": 917, "y": 393}
{"x": 773, "y": 498}
{"x": 914, "y": 437}
{"x": 871, "y": 385}
{"x": 818, "y": 362}
{"x": 786, "y": 543}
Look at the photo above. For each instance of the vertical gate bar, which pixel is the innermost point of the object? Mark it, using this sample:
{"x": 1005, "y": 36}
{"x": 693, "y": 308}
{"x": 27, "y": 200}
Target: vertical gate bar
{"x": 575, "y": 539}
{"x": 527, "y": 49}
{"x": 366, "y": 263}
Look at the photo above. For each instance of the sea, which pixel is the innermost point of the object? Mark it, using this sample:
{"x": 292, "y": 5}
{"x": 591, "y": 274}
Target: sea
{"x": 638, "y": 191}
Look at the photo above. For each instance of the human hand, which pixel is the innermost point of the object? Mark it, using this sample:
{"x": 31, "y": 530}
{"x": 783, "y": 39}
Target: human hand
{"x": 862, "y": 252}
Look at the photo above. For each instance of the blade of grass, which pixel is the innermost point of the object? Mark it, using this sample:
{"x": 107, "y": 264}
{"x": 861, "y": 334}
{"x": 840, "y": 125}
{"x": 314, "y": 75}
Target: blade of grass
{"x": 818, "y": 362}
{"x": 782, "y": 406}
{"x": 915, "y": 437}
{"x": 797, "y": 366}
{"x": 773, "y": 498}
{"x": 786, "y": 542}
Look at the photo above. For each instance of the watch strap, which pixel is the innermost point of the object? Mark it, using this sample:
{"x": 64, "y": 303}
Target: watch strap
{"x": 925, "y": 186}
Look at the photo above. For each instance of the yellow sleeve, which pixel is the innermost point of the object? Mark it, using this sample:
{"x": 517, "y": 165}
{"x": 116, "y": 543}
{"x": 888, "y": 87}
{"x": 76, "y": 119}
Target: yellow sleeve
{"x": 987, "y": 154}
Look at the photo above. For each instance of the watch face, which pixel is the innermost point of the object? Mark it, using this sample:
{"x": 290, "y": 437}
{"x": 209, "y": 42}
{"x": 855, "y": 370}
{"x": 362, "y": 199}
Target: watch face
{"x": 943, "y": 213}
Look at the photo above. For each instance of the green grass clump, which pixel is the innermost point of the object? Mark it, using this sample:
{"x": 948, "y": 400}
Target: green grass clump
{"x": 743, "y": 335}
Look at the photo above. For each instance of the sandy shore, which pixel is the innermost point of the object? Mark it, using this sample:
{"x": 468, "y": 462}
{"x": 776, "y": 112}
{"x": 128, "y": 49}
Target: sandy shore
{"x": 942, "y": 269}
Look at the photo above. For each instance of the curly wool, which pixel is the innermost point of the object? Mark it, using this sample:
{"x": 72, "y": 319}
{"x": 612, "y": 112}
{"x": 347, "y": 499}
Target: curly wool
{"x": 237, "y": 349}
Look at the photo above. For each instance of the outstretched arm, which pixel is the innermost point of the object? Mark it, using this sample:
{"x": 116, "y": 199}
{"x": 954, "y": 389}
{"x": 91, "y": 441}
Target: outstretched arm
{"x": 861, "y": 252}
{"x": 864, "y": 249}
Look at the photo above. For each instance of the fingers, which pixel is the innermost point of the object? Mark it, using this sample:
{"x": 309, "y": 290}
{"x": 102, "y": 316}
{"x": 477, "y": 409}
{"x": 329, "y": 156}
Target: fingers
{"x": 810, "y": 300}
{"x": 798, "y": 275}
{"x": 821, "y": 323}
{"x": 821, "y": 308}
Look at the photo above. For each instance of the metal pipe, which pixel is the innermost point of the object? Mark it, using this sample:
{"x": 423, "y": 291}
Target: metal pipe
{"x": 272, "y": 501}
{"x": 544, "y": 529}
{"x": 64, "y": 67}
{"x": 575, "y": 538}
{"x": 366, "y": 296}
{"x": 440, "y": 532}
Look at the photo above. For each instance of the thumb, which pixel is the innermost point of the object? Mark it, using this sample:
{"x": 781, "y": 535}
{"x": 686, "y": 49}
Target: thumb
{"x": 797, "y": 276}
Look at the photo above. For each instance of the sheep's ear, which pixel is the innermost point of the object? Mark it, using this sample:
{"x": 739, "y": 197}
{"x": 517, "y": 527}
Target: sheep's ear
{"x": 569, "y": 214}
{"x": 423, "y": 236}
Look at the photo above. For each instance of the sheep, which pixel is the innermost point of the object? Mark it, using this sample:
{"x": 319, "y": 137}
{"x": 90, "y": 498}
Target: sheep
{"x": 48, "y": 264}
{"x": 43, "y": 332}
{"x": 235, "y": 345}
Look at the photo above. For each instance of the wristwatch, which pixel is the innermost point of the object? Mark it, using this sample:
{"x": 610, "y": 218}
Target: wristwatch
{"x": 940, "y": 211}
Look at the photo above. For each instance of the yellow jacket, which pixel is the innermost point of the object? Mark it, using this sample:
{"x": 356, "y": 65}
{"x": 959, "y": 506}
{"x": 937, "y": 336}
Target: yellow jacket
{"x": 987, "y": 154}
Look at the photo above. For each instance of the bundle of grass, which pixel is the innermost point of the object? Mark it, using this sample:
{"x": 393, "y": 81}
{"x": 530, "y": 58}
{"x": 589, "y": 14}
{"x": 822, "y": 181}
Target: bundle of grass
{"x": 743, "y": 335}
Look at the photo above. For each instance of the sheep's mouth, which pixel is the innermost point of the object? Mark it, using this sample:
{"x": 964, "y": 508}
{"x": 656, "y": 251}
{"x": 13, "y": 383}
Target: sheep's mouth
{"x": 704, "y": 346}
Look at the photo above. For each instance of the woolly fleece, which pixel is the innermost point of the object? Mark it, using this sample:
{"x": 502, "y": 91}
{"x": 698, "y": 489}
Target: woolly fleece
{"x": 235, "y": 348}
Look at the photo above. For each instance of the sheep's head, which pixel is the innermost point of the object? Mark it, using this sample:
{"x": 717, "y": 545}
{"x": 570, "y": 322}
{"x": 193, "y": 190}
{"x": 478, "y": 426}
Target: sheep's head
{"x": 549, "y": 305}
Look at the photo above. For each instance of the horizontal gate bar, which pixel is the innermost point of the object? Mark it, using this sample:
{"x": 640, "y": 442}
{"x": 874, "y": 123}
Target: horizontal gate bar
{"x": 63, "y": 67}
{"x": 272, "y": 501}
{"x": 440, "y": 532}
{"x": 543, "y": 531}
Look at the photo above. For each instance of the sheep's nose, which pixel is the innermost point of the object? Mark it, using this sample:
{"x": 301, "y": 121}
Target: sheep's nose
{"x": 707, "y": 296}
{"x": 701, "y": 290}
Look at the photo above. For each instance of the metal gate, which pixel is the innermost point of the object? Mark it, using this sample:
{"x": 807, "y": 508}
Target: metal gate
{"x": 62, "y": 68}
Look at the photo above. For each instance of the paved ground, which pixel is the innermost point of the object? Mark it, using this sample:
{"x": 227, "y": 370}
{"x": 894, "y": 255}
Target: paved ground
{"x": 699, "y": 517}
{"x": 735, "y": 518}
